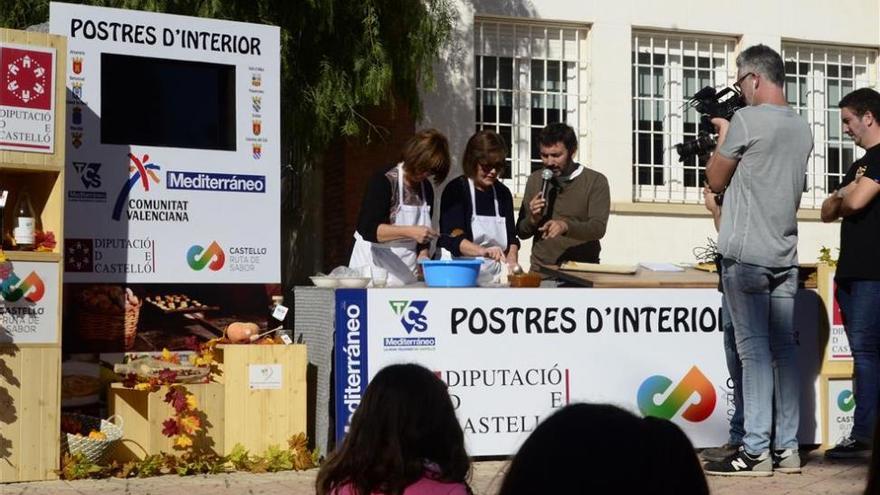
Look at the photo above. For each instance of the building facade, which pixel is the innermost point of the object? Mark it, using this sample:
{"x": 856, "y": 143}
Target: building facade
{"x": 621, "y": 73}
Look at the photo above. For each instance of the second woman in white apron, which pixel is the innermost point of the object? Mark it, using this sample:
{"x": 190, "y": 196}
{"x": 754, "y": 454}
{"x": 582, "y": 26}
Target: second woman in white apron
{"x": 394, "y": 226}
{"x": 476, "y": 209}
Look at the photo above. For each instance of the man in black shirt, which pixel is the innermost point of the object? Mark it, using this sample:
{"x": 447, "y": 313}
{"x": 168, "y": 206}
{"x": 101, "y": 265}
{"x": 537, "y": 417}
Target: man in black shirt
{"x": 858, "y": 273}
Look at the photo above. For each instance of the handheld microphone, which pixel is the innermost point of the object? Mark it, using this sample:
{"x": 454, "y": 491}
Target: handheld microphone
{"x": 546, "y": 175}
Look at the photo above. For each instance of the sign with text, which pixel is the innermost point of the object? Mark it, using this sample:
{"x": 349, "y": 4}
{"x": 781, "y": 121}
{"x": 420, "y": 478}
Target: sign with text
{"x": 841, "y": 409}
{"x": 173, "y": 161}
{"x": 838, "y": 342}
{"x": 27, "y": 98}
{"x": 29, "y": 304}
{"x": 656, "y": 352}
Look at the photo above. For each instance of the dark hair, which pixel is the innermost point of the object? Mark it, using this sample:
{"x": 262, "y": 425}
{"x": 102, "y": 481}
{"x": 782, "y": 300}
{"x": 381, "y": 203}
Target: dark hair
{"x": 763, "y": 60}
{"x": 483, "y": 147}
{"x": 862, "y": 101}
{"x": 560, "y": 132}
{"x": 406, "y": 419}
{"x": 596, "y": 448}
{"x": 427, "y": 151}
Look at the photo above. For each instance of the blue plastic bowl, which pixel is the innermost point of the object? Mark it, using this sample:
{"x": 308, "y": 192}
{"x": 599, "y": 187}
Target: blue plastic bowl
{"x": 451, "y": 273}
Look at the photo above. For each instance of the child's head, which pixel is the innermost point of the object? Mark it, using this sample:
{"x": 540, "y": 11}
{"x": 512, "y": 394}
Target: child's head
{"x": 596, "y": 448}
{"x": 405, "y": 419}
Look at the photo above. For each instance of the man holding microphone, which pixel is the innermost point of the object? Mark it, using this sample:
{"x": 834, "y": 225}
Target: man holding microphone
{"x": 565, "y": 210}
{"x": 761, "y": 160}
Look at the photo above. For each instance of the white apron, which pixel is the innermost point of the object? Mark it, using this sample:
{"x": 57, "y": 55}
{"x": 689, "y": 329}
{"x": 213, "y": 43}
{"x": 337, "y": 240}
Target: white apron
{"x": 488, "y": 231}
{"x": 398, "y": 257}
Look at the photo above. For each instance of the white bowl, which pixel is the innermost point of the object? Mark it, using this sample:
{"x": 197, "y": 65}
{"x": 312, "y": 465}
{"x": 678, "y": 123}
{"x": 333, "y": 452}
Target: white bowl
{"x": 354, "y": 282}
{"x": 325, "y": 282}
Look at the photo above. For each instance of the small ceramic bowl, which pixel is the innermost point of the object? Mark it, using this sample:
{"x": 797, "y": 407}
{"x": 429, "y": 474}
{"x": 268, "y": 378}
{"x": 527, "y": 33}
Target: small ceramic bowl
{"x": 325, "y": 282}
{"x": 354, "y": 282}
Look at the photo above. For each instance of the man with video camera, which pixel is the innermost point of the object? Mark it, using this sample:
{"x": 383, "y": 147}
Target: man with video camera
{"x": 760, "y": 164}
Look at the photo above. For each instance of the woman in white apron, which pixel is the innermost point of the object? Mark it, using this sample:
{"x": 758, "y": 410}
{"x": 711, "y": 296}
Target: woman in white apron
{"x": 394, "y": 226}
{"x": 476, "y": 212}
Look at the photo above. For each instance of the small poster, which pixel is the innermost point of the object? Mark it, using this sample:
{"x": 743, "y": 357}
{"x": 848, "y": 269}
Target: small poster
{"x": 27, "y": 98}
{"x": 264, "y": 376}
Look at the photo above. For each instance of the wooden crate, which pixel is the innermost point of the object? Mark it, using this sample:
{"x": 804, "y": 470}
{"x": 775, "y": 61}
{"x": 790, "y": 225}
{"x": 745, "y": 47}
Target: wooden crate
{"x": 257, "y": 418}
{"x": 144, "y": 412}
{"x": 30, "y": 394}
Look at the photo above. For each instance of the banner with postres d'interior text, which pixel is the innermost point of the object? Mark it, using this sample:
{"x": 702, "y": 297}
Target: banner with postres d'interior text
{"x": 163, "y": 213}
{"x": 510, "y": 357}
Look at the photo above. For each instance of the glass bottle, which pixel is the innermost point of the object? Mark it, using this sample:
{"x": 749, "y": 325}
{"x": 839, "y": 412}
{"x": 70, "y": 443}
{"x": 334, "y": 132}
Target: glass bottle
{"x": 24, "y": 222}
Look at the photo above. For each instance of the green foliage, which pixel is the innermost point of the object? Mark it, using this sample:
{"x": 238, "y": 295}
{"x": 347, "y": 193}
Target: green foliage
{"x": 78, "y": 467}
{"x": 337, "y": 56}
{"x": 295, "y": 457}
{"x": 825, "y": 256}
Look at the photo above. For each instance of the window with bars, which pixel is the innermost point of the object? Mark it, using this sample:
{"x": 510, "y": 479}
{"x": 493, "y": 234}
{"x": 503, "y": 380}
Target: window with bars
{"x": 528, "y": 75}
{"x": 816, "y": 78}
{"x": 667, "y": 71}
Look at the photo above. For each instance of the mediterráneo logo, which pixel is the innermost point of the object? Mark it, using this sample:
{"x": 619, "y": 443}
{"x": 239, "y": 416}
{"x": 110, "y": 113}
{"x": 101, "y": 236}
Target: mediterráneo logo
{"x": 693, "y": 382}
{"x": 412, "y": 319}
{"x": 202, "y": 181}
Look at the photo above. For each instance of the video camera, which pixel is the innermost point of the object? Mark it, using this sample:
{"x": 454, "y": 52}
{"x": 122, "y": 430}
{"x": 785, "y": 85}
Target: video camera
{"x": 709, "y": 104}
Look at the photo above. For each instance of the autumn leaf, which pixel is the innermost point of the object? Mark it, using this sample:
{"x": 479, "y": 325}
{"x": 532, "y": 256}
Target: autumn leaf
{"x": 190, "y": 424}
{"x": 130, "y": 380}
{"x": 143, "y": 387}
{"x": 170, "y": 427}
{"x": 169, "y": 357}
{"x": 167, "y": 376}
{"x": 176, "y": 396}
{"x": 182, "y": 442}
{"x": 192, "y": 401}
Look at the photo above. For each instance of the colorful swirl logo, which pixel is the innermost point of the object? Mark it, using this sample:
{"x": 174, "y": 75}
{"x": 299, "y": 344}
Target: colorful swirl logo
{"x": 693, "y": 382}
{"x": 846, "y": 401}
{"x": 199, "y": 257}
{"x": 32, "y": 288}
{"x": 143, "y": 172}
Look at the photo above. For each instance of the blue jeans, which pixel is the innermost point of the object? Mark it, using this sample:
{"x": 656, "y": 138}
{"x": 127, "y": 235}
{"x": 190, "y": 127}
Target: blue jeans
{"x": 734, "y": 368}
{"x": 860, "y": 307}
{"x": 761, "y": 305}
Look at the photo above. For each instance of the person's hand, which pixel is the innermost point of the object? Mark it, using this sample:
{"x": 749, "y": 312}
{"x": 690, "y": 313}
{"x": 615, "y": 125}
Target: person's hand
{"x": 709, "y": 199}
{"x": 512, "y": 259}
{"x": 420, "y": 273}
{"x": 721, "y": 124}
{"x": 422, "y": 234}
{"x": 553, "y": 228}
{"x": 493, "y": 253}
{"x": 536, "y": 207}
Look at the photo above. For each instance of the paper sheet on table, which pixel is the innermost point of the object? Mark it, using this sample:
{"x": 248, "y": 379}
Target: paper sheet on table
{"x": 661, "y": 267}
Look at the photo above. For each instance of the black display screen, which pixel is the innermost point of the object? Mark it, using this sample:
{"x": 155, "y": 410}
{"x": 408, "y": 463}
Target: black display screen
{"x": 161, "y": 102}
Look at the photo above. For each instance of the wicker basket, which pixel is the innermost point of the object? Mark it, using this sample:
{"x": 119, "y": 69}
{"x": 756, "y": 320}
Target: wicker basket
{"x": 94, "y": 450}
{"x": 93, "y": 325}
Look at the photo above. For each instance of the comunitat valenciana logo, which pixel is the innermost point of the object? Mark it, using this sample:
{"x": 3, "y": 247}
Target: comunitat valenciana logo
{"x": 846, "y": 401}
{"x": 213, "y": 257}
{"x": 693, "y": 382}
{"x": 412, "y": 315}
{"x": 142, "y": 171}
{"x": 31, "y": 288}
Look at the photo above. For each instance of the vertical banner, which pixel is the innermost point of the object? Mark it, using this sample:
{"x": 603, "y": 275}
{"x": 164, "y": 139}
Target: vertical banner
{"x": 351, "y": 353}
{"x": 27, "y": 98}
{"x": 838, "y": 343}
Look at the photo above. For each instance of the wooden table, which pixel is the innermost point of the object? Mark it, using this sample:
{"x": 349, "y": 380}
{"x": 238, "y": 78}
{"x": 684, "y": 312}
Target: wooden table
{"x": 647, "y": 279}
{"x": 643, "y": 278}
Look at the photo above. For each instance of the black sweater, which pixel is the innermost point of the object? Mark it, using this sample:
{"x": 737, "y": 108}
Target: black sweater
{"x": 456, "y": 211}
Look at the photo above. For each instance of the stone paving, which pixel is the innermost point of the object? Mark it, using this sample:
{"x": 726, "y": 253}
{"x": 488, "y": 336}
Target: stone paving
{"x": 819, "y": 477}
